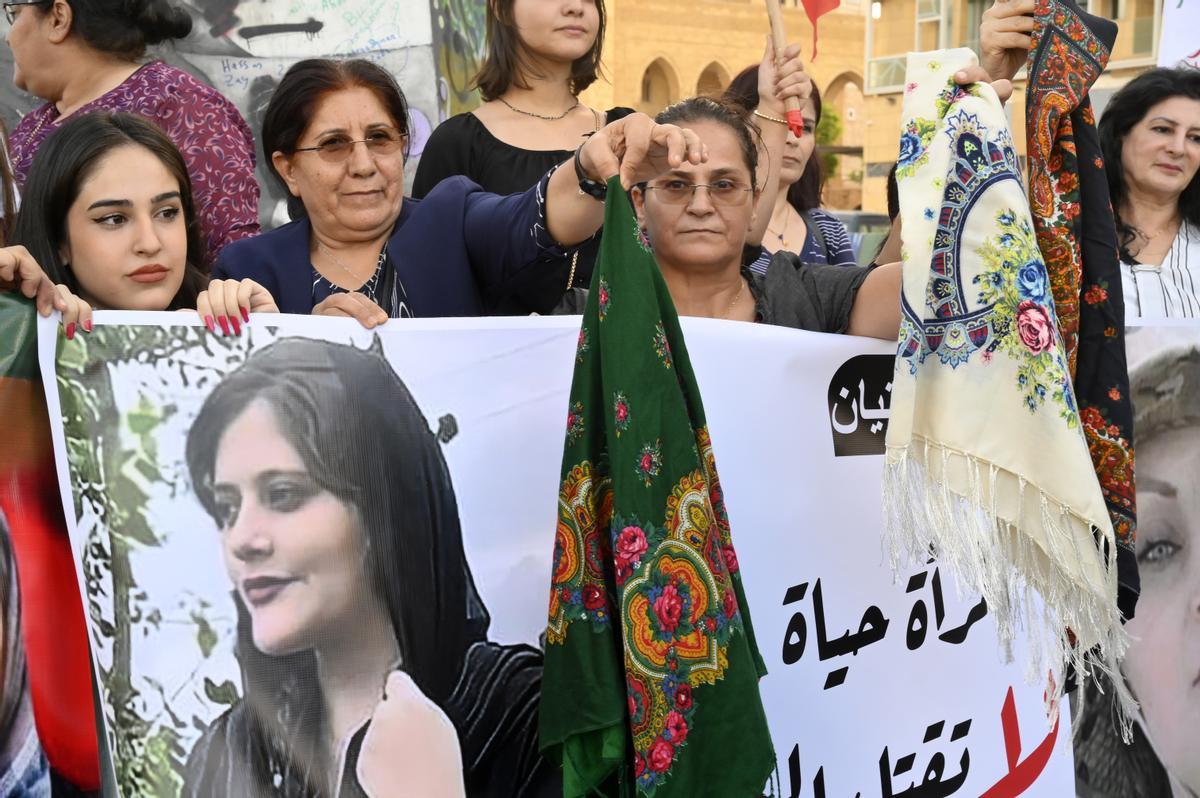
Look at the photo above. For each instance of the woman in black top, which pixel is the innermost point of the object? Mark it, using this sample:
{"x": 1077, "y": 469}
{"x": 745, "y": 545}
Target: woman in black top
{"x": 540, "y": 57}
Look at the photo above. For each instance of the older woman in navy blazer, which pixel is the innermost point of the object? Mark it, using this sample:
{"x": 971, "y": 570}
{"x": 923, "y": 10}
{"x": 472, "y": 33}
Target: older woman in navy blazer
{"x": 335, "y": 133}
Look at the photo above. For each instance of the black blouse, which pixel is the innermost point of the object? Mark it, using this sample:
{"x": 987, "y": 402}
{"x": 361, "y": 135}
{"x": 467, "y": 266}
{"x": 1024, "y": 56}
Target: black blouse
{"x": 462, "y": 145}
{"x": 494, "y": 708}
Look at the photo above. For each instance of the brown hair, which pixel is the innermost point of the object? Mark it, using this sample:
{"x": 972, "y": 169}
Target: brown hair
{"x": 295, "y": 100}
{"x": 733, "y": 116}
{"x": 805, "y": 193}
{"x": 502, "y": 66}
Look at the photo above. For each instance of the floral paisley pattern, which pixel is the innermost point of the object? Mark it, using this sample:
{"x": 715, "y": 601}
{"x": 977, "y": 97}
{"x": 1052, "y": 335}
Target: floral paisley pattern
{"x": 621, "y": 416}
{"x": 649, "y": 462}
{"x": 580, "y": 550}
{"x": 987, "y": 459}
{"x": 604, "y": 299}
{"x": 1026, "y": 328}
{"x": 1075, "y": 229}
{"x": 644, "y": 565}
{"x": 215, "y": 140}
{"x": 581, "y": 346}
{"x": 574, "y": 422}
{"x": 662, "y": 347}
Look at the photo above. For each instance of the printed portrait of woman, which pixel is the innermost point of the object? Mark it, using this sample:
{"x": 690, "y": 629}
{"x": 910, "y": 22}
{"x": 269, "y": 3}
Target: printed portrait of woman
{"x": 1162, "y": 666}
{"x": 362, "y": 642}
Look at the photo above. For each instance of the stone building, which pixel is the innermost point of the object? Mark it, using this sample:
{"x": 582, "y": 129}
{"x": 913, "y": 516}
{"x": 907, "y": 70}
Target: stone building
{"x": 659, "y": 51}
{"x": 894, "y": 27}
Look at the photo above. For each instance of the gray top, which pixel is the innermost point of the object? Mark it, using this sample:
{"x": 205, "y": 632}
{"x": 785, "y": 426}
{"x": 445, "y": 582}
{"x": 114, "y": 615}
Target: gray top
{"x": 816, "y": 297}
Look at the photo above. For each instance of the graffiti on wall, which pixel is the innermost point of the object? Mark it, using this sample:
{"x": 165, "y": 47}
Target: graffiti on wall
{"x": 243, "y": 48}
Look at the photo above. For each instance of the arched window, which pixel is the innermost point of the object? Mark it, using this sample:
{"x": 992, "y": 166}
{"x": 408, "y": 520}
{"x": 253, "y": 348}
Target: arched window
{"x": 660, "y": 87}
{"x": 713, "y": 80}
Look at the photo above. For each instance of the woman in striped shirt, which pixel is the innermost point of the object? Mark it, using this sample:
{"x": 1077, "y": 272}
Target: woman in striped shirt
{"x": 1150, "y": 134}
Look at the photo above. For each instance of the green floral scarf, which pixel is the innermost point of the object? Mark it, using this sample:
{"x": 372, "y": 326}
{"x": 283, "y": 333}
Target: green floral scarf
{"x": 651, "y": 676}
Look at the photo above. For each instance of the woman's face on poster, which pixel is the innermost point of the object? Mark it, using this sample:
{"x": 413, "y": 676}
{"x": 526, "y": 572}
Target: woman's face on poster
{"x": 293, "y": 550}
{"x": 1163, "y": 664}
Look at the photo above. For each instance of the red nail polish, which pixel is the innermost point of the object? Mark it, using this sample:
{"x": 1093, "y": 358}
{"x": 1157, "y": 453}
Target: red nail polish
{"x": 87, "y": 325}
{"x": 245, "y": 315}
{"x": 237, "y": 327}
{"x": 208, "y": 322}
{"x": 224, "y": 322}
{"x": 70, "y": 331}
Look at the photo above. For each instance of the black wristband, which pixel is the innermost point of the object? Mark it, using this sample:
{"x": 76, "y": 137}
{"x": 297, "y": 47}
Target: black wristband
{"x": 593, "y": 188}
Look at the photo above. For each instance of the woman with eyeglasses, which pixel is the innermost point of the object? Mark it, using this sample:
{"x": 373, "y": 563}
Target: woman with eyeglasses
{"x": 335, "y": 133}
{"x": 696, "y": 218}
{"x": 85, "y": 55}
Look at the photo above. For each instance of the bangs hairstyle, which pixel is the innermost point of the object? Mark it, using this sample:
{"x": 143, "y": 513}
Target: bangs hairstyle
{"x": 504, "y": 62}
{"x": 302, "y": 88}
{"x": 805, "y": 193}
{"x": 66, "y": 159}
{"x": 731, "y": 115}
{"x": 1127, "y": 108}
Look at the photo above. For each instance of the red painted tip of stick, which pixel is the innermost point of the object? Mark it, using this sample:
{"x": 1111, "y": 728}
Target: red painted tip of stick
{"x": 795, "y": 120}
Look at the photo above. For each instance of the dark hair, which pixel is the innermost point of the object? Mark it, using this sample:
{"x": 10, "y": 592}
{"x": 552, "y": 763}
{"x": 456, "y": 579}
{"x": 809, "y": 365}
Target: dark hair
{"x": 62, "y": 164}
{"x": 363, "y": 438}
{"x": 805, "y": 193}
{"x": 1124, "y": 110}
{"x": 8, "y": 198}
{"x": 295, "y": 100}
{"x": 124, "y": 28}
{"x": 502, "y": 65}
{"x": 700, "y": 109}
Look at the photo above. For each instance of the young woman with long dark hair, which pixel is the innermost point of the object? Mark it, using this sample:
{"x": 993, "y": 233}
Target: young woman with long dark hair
{"x": 108, "y": 216}
{"x": 366, "y": 669}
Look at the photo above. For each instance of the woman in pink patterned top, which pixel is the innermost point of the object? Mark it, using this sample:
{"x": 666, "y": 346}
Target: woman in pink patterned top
{"x": 84, "y": 55}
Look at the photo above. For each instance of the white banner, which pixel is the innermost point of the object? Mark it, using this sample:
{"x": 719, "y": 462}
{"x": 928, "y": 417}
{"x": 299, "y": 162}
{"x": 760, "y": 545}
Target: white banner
{"x": 1179, "y": 44}
{"x": 876, "y": 687}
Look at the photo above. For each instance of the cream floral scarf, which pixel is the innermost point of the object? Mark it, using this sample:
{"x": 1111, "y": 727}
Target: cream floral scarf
{"x": 987, "y": 466}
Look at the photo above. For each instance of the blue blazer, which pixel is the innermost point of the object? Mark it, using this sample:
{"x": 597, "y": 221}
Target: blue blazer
{"x": 454, "y": 250}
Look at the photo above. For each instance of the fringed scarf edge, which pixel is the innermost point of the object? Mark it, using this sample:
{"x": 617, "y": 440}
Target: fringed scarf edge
{"x": 947, "y": 507}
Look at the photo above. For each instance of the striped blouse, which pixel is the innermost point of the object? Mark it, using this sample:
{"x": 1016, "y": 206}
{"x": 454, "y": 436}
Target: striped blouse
{"x": 1170, "y": 290}
{"x": 836, "y": 252}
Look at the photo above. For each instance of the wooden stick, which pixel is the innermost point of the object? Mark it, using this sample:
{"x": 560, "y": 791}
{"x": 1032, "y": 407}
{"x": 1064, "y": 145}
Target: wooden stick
{"x": 791, "y": 105}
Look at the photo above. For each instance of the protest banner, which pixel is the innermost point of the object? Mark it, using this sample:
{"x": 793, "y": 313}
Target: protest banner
{"x": 1178, "y": 44}
{"x": 875, "y": 687}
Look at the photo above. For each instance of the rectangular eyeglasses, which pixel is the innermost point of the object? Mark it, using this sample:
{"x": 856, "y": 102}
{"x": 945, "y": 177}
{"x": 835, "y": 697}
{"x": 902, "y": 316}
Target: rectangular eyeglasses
{"x": 10, "y": 8}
